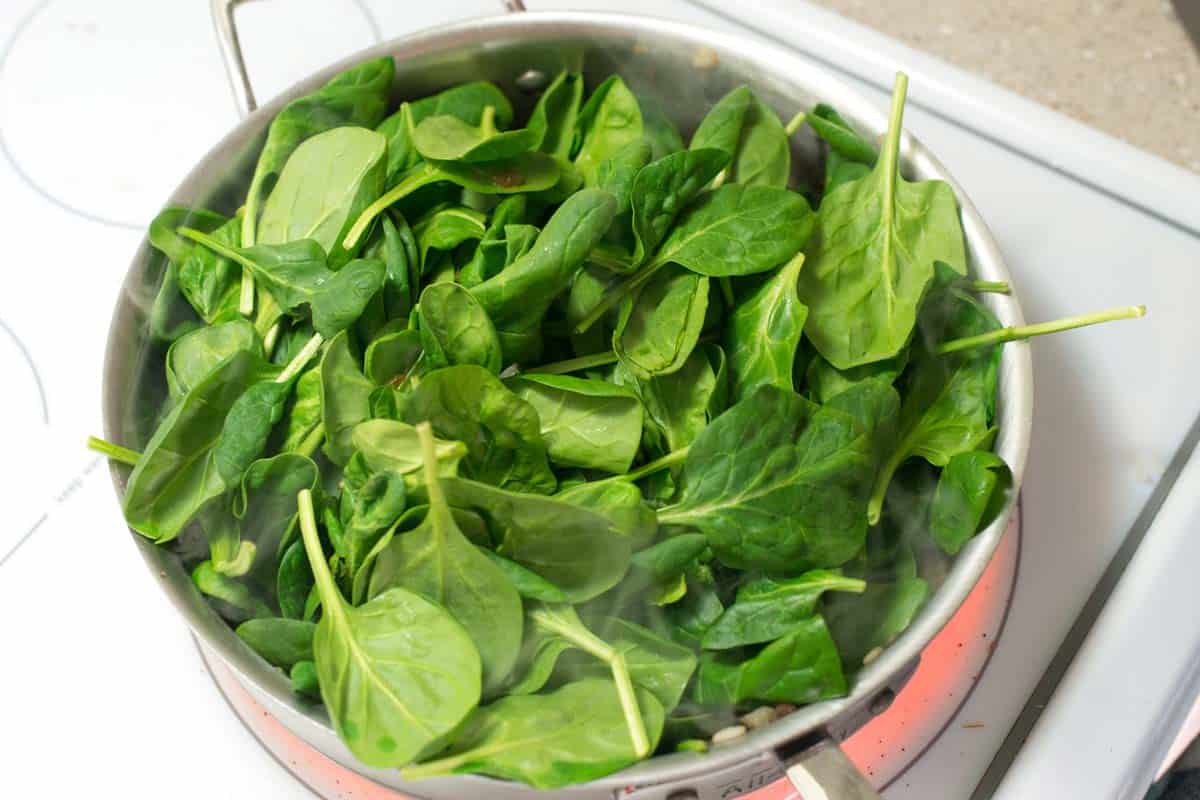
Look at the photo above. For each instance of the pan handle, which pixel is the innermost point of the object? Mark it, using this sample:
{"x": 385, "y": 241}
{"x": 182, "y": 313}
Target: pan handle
{"x": 235, "y": 64}
{"x": 823, "y": 772}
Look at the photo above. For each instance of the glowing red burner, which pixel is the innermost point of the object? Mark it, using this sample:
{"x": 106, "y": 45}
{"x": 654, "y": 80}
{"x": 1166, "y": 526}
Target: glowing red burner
{"x": 883, "y": 749}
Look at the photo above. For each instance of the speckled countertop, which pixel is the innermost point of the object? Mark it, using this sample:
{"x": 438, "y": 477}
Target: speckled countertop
{"x": 1126, "y": 67}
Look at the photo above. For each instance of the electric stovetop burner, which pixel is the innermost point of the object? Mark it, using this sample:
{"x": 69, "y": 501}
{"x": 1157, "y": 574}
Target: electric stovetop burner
{"x": 883, "y": 749}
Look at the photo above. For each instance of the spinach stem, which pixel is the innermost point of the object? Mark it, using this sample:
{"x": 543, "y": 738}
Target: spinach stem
{"x": 657, "y": 465}
{"x": 249, "y": 233}
{"x": 606, "y": 258}
{"x": 218, "y": 247}
{"x": 983, "y": 287}
{"x": 326, "y": 587}
{"x": 429, "y": 465}
{"x": 629, "y": 705}
{"x": 412, "y": 180}
{"x": 1002, "y": 335}
{"x": 588, "y": 642}
{"x": 114, "y": 451}
{"x": 575, "y": 364}
{"x": 246, "y": 300}
{"x": 312, "y": 440}
{"x": 726, "y": 290}
{"x": 301, "y": 359}
{"x": 882, "y": 480}
{"x": 795, "y": 122}
{"x": 271, "y": 338}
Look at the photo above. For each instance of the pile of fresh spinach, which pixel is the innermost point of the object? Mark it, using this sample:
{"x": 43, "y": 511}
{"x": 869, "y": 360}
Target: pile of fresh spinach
{"x": 525, "y": 448}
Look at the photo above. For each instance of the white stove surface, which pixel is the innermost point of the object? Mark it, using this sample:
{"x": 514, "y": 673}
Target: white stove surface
{"x": 105, "y": 106}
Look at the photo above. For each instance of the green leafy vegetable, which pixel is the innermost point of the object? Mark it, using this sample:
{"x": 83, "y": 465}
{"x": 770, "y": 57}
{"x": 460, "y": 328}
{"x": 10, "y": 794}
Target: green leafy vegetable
{"x": 970, "y": 485}
{"x": 778, "y": 483}
{"x": 764, "y": 333}
{"x": 696, "y": 446}
{"x": 392, "y": 693}
{"x": 439, "y": 563}
{"x": 585, "y": 423}
{"x": 501, "y": 431}
{"x": 547, "y": 740}
{"x": 456, "y": 330}
{"x": 873, "y": 256}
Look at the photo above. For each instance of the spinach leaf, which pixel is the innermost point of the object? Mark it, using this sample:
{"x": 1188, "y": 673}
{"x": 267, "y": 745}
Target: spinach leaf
{"x": 395, "y": 447}
{"x": 873, "y": 256}
{"x": 949, "y": 401}
{"x": 194, "y": 355}
{"x": 264, "y": 508}
{"x": 763, "y": 332}
{"x": 617, "y": 175}
{"x": 738, "y": 230}
{"x": 862, "y": 624}
{"x": 753, "y": 137}
{"x": 295, "y": 274}
{"x": 456, "y": 330}
{"x": 446, "y": 228}
{"x": 658, "y": 130}
{"x": 501, "y": 431}
{"x": 554, "y": 116}
{"x": 402, "y": 276}
{"x": 439, "y": 563}
{"x": 679, "y": 405}
{"x": 303, "y": 418}
{"x": 357, "y": 96}
{"x": 823, "y": 381}
{"x": 827, "y": 123}
{"x": 392, "y": 355}
{"x": 294, "y": 582}
{"x": 970, "y": 492}
{"x": 528, "y": 583}
{"x": 466, "y": 101}
{"x": 609, "y": 120}
{"x": 345, "y": 398}
{"x": 777, "y": 483}
{"x": 305, "y": 681}
{"x": 799, "y": 668}
{"x": 516, "y": 300}
{"x": 391, "y": 695}
{"x": 664, "y": 188}
{"x": 492, "y": 255}
{"x": 621, "y": 503}
{"x": 766, "y": 609}
{"x": 247, "y": 425}
{"x": 658, "y": 328}
{"x": 235, "y": 600}
{"x": 176, "y": 476}
{"x": 585, "y": 423}
{"x": 527, "y": 172}
{"x": 326, "y": 183}
{"x": 374, "y": 508}
{"x": 445, "y": 137}
{"x": 281, "y": 642}
{"x": 571, "y": 735}
{"x": 576, "y": 549}
{"x": 655, "y": 664}
{"x": 208, "y": 281}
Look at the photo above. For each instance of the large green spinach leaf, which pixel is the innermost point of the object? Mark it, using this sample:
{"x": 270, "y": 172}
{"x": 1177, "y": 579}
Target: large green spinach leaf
{"x": 398, "y": 674}
{"x": 777, "y": 483}
{"x": 439, "y": 563}
{"x": 873, "y": 256}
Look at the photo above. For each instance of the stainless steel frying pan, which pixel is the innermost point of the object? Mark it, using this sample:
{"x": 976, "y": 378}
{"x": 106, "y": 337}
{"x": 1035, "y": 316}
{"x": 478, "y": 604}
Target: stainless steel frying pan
{"x": 684, "y": 69}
